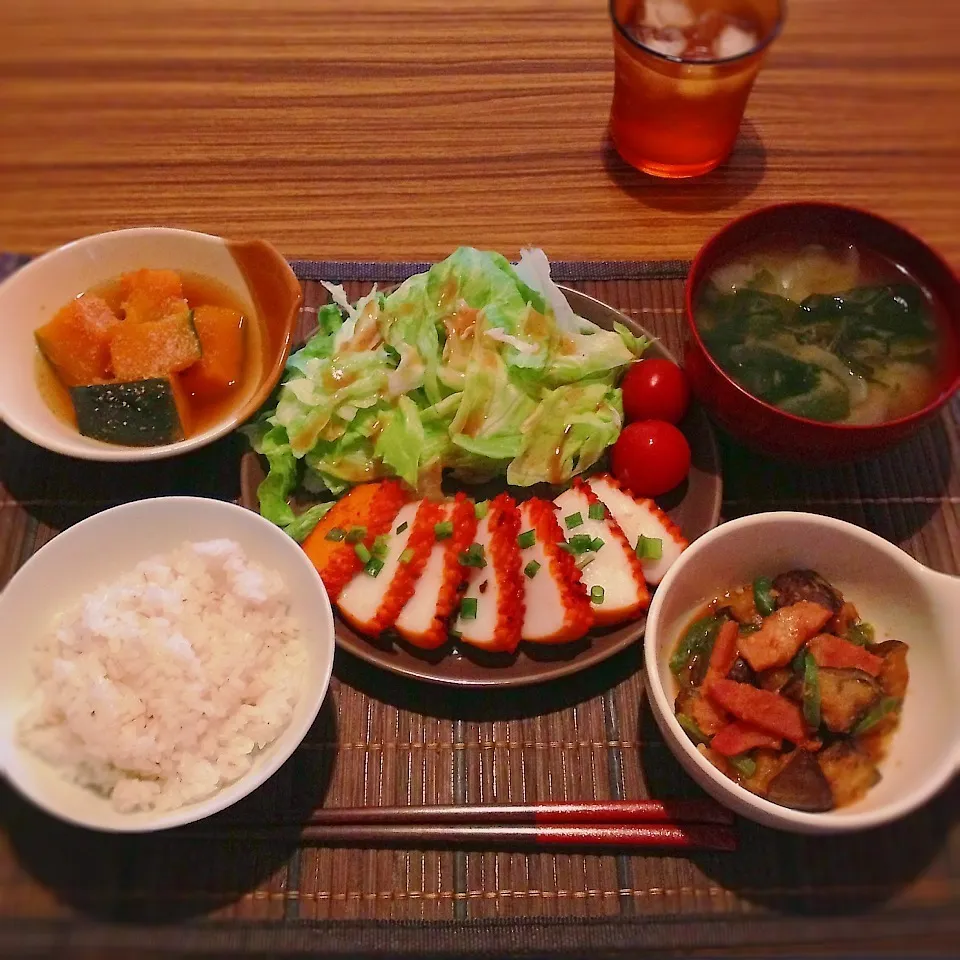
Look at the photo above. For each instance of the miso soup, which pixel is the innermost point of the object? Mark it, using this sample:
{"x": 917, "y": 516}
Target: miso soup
{"x": 837, "y": 334}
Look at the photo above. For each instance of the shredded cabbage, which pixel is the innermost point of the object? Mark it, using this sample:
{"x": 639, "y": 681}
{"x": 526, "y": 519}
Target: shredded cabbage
{"x": 476, "y": 365}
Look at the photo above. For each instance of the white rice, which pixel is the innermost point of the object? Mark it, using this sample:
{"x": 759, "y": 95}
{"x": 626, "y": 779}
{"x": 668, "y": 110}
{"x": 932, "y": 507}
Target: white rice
{"x": 162, "y": 687}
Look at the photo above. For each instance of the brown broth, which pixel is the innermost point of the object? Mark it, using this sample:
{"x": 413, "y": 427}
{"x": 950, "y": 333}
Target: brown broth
{"x": 205, "y": 412}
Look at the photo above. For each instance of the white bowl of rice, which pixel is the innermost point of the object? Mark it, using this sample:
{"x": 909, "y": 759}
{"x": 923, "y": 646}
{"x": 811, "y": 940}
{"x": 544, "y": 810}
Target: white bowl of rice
{"x": 162, "y": 659}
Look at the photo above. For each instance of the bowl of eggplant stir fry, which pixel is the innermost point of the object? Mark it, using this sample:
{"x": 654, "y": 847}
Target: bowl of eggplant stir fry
{"x": 804, "y": 671}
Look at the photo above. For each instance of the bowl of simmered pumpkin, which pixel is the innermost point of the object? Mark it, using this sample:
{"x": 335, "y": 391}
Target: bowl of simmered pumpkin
{"x": 143, "y": 343}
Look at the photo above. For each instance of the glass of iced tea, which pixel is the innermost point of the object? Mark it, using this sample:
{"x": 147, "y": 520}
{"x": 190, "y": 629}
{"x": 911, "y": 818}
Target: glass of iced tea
{"x": 683, "y": 72}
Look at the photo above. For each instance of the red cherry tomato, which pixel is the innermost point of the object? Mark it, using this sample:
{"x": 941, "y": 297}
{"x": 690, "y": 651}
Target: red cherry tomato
{"x": 650, "y": 457}
{"x": 655, "y": 389}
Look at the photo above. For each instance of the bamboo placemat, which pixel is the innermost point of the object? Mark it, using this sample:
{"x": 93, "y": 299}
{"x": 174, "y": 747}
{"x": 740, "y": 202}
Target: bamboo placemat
{"x": 381, "y": 740}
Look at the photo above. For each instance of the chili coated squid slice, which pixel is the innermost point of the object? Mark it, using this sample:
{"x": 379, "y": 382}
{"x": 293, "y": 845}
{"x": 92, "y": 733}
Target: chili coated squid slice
{"x": 360, "y": 517}
{"x": 491, "y": 610}
{"x": 423, "y": 620}
{"x": 557, "y": 608}
{"x": 662, "y": 540}
{"x": 608, "y": 563}
{"x": 373, "y": 599}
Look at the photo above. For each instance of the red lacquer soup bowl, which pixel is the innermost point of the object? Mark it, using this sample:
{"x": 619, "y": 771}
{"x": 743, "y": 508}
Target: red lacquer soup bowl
{"x": 776, "y": 432}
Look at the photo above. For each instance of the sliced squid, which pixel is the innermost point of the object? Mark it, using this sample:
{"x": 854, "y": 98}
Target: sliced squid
{"x": 371, "y": 601}
{"x": 611, "y": 573}
{"x": 423, "y": 619}
{"x": 638, "y": 517}
{"x": 491, "y": 610}
{"x": 557, "y": 608}
{"x": 361, "y": 516}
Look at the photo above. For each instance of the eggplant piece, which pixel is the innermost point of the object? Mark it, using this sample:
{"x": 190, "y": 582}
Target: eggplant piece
{"x": 797, "y": 585}
{"x": 693, "y": 704}
{"x": 849, "y": 771}
{"x": 801, "y": 784}
{"x": 739, "y": 606}
{"x": 741, "y": 671}
{"x": 894, "y": 674}
{"x": 775, "y": 679}
{"x": 768, "y": 765}
{"x": 845, "y": 696}
{"x": 793, "y": 688}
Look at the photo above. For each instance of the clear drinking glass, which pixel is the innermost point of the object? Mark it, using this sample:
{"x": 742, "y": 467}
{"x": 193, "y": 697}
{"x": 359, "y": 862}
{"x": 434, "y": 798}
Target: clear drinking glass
{"x": 683, "y": 72}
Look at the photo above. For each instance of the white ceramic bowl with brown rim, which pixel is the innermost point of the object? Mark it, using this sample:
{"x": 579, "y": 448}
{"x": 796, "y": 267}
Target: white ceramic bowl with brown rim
{"x": 255, "y": 273}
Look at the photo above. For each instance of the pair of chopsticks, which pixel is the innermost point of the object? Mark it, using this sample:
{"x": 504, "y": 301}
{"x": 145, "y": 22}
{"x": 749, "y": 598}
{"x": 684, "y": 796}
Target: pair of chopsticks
{"x": 665, "y": 824}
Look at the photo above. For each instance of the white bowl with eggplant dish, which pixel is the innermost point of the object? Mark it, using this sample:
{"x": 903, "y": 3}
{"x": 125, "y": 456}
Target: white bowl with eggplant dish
{"x": 803, "y": 671}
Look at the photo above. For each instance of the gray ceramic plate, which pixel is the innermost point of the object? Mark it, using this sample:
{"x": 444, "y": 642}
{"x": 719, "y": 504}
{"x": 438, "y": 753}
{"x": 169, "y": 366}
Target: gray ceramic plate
{"x": 695, "y": 508}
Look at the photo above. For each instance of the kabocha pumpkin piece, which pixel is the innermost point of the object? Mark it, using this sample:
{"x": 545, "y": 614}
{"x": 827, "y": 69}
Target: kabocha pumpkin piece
{"x": 141, "y": 413}
{"x": 156, "y": 348}
{"x": 76, "y": 341}
{"x": 359, "y": 518}
{"x": 148, "y": 295}
{"x": 220, "y": 331}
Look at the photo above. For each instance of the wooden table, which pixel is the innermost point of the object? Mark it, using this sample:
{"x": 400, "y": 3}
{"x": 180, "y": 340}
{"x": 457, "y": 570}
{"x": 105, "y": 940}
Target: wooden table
{"x": 398, "y": 129}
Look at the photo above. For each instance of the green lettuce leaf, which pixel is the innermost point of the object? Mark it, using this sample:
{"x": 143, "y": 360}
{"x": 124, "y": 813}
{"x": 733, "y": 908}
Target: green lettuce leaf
{"x": 568, "y": 433}
{"x": 302, "y": 526}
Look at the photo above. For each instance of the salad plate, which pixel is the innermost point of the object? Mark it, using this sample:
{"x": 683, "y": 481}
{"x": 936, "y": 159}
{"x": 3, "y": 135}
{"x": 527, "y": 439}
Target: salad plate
{"x": 694, "y": 507}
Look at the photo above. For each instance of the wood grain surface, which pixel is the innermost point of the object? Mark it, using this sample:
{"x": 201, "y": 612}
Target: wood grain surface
{"x": 397, "y": 129}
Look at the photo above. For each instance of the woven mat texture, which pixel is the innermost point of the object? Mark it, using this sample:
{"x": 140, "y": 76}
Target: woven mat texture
{"x": 380, "y": 740}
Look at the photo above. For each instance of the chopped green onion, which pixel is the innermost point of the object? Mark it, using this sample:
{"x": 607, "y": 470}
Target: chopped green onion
{"x": 362, "y": 552}
{"x": 356, "y": 534}
{"x": 480, "y": 509}
{"x": 744, "y": 764}
{"x": 406, "y": 556}
{"x": 455, "y": 634}
{"x": 526, "y": 539}
{"x": 763, "y": 598}
{"x": 746, "y": 628}
{"x": 443, "y": 530}
{"x": 373, "y": 567}
{"x": 872, "y": 717}
{"x": 403, "y": 526}
{"x": 336, "y": 534}
{"x": 597, "y": 511}
{"x": 565, "y": 547}
{"x": 596, "y": 594}
{"x": 581, "y": 543}
{"x": 692, "y": 728}
{"x": 531, "y": 569}
{"x": 379, "y": 548}
{"x": 649, "y": 548}
{"x": 585, "y": 561}
{"x": 468, "y": 608}
{"x": 473, "y": 556}
{"x": 596, "y": 543}
{"x": 573, "y": 520}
